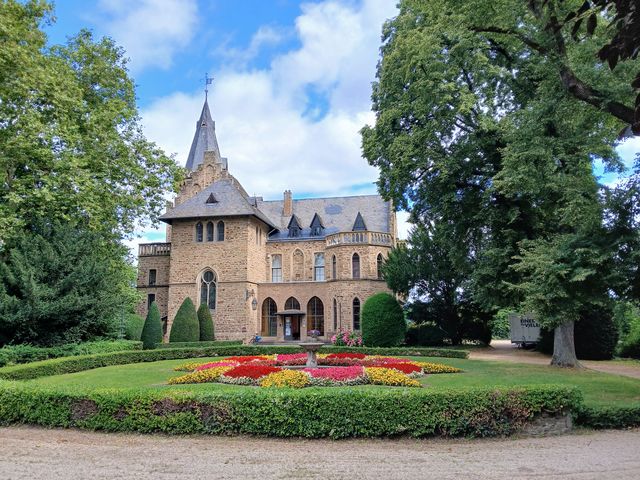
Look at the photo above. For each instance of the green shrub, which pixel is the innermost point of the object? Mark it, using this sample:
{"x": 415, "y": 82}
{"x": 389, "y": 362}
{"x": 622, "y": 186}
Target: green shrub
{"x": 310, "y": 413}
{"x": 500, "y": 327}
{"x": 206, "y": 324}
{"x": 152, "y": 330}
{"x": 425, "y": 335}
{"x": 17, "y": 354}
{"x": 59, "y": 366}
{"x": 133, "y": 327}
{"x": 215, "y": 343}
{"x": 185, "y": 327}
{"x": 630, "y": 346}
{"x": 607, "y": 417}
{"x": 383, "y": 323}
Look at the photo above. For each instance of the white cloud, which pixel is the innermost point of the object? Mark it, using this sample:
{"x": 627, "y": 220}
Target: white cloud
{"x": 151, "y": 31}
{"x": 263, "y": 120}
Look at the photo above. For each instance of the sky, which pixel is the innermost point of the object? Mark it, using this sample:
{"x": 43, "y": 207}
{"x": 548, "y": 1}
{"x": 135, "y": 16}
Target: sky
{"x": 291, "y": 88}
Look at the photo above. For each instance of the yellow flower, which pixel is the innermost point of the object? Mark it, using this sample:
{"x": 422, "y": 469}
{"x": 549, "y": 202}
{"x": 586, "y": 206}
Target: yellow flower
{"x": 389, "y": 376}
{"x": 203, "y": 376}
{"x": 428, "y": 367}
{"x": 188, "y": 367}
{"x": 286, "y": 378}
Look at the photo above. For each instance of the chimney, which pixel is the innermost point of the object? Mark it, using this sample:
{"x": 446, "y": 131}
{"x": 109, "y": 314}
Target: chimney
{"x": 287, "y": 209}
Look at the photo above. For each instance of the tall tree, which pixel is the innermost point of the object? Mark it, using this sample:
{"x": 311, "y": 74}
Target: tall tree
{"x": 478, "y": 128}
{"x": 71, "y": 145}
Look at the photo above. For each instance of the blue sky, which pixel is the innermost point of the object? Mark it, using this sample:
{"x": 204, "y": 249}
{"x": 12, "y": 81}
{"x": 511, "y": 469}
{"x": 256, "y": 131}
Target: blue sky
{"x": 291, "y": 90}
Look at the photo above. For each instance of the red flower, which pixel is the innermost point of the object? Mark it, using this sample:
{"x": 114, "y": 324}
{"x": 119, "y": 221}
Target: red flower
{"x": 251, "y": 371}
{"x": 248, "y": 358}
{"x": 401, "y": 367}
{"x": 347, "y": 355}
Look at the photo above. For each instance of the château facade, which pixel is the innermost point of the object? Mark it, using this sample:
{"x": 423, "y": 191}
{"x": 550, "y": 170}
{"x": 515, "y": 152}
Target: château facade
{"x": 276, "y": 268}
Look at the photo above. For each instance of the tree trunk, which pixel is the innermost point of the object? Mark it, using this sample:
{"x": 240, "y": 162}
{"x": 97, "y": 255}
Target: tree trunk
{"x": 564, "y": 349}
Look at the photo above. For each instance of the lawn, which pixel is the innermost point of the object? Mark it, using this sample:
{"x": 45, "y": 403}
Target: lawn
{"x": 598, "y": 388}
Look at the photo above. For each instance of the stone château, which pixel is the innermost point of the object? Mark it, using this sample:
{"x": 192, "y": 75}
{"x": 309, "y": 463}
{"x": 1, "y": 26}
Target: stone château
{"x": 277, "y": 268}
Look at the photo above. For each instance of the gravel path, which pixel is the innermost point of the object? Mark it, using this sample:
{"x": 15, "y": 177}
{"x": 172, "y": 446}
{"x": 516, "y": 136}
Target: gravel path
{"x": 503, "y": 350}
{"x": 35, "y": 453}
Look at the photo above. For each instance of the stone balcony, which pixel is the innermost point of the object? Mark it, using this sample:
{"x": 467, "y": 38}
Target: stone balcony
{"x": 154, "y": 249}
{"x": 360, "y": 238}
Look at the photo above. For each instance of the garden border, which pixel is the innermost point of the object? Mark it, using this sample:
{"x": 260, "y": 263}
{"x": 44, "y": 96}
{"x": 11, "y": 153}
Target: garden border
{"x": 80, "y": 363}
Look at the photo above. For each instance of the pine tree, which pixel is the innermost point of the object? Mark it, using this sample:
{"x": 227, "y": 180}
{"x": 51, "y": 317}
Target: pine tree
{"x": 185, "y": 327}
{"x": 152, "y": 330}
{"x": 206, "y": 324}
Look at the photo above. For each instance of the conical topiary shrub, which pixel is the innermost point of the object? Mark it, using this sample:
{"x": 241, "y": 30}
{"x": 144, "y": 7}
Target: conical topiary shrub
{"x": 152, "y": 329}
{"x": 185, "y": 326}
{"x": 206, "y": 324}
{"x": 383, "y": 323}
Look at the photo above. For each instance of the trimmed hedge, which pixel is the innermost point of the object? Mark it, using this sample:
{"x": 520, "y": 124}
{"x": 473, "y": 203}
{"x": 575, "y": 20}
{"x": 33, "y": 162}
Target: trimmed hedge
{"x": 608, "y": 417}
{"x": 61, "y": 366}
{"x": 311, "y": 413}
{"x": 206, "y": 324}
{"x": 383, "y": 323}
{"x": 18, "y": 354}
{"x": 185, "y": 326}
{"x": 214, "y": 343}
{"x": 152, "y": 330}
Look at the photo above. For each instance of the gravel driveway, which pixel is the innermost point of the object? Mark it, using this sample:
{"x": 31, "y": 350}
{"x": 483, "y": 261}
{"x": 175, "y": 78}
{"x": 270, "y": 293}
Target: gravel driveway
{"x": 34, "y": 453}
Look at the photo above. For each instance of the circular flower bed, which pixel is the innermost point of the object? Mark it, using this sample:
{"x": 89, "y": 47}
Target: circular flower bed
{"x": 339, "y": 369}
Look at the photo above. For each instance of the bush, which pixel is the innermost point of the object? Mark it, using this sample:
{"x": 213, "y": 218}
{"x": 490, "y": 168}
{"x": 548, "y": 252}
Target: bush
{"x": 310, "y": 413}
{"x": 18, "y": 354}
{"x": 500, "y": 327}
{"x": 59, "y": 366}
{"x": 383, "y": 323}
{"x": 206, "y": 324}
{"x": 596, "y": 335}
{"x": 631, "y": 343}
{"x": 215, "y": 343}
{"x": 133, "y": 327}
{"x": 152, "y": 330}
{"x": 185, "y": 327}
{"x": 425, "y": 334}
{"x": 607, "y": 417}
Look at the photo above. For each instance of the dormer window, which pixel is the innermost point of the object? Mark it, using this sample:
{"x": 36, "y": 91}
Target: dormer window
{"x": 211, "y": 199}
{"x": 359, "y": 223}
{"x": 317, "y": 229}
{"x": 294, "y": 227}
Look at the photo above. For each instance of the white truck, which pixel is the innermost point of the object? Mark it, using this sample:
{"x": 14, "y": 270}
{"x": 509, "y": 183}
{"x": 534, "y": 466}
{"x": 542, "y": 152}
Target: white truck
{"x": 525, "y": 331}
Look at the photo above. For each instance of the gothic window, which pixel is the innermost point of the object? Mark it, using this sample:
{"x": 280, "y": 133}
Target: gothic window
{"x": 292, "y": 303}
{"x": 356, "y": 313}
{"x": 269, "y": 318}
{"x": 209, "y": 231}
{"x": 355, "y": 266}
{"x": 199, "y": 232}
{"x": 359, "y": 223}
{"x": 294, "y": 227}
{"x": 318, "y": 267}
{"x": 316, "y": 226}
{"x": 220, "y": 231}
{"x": 379, "y": 265}
{"x": 334, "y": 268}
{"x": 276, "y": 268}
{"x": 315, "y": 315}
{"x": 152, "y": 276}
{"x": 335, "y": 315}
{"x": 208, "y": 289}
{"x": 298, "y": 265}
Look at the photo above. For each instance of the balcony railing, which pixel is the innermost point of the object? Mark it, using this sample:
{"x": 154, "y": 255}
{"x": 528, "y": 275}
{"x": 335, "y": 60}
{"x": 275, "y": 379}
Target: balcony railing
{"x": 369, "y": 238}
{"x": 154, "y": 249}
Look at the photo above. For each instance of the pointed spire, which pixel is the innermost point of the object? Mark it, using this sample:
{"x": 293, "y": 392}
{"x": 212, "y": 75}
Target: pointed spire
{"x": 204, "y": 139}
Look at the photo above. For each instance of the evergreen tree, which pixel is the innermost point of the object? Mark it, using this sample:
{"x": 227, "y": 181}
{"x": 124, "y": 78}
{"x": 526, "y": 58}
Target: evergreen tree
{"x": 206, "y": 324}
{"x": 185, "y": 327}
{"x": 152, "y": 330}
{"x": 383, "y": 323}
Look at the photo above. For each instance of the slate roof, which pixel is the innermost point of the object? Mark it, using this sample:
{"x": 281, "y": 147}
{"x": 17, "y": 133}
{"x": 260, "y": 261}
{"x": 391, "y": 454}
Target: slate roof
{"x": 204, "y": 139}
{"x": 231, "y": 202}
{"x": 338, "y": 214}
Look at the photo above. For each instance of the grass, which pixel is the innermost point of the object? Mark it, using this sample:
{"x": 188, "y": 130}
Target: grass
{"x": 599, "y": 389}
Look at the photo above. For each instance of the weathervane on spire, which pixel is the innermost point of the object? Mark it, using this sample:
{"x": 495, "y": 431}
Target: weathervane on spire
{"x": 207, "y": 81}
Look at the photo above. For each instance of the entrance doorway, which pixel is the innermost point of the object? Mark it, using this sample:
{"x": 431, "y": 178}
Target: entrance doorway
{"x": 292, "y": 327}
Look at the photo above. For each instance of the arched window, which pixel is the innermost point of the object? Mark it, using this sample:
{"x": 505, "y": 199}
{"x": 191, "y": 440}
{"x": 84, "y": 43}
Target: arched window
{"x": 220, "y": 229}
{"x": 199, "y": 232}
{"x": 356, "y": 313}
{"x": 335, "y": 315}
{"x": 315, "y": 315}
{"x": 292, "y": 303}
{"x": 379, "y": 265}
{"x": 208, "y": 289}
{"x": 209, "y": 231}
{"x": 334, "y": 268}
{"x": 269, "y": 318}
{"x": 355, "y": 266}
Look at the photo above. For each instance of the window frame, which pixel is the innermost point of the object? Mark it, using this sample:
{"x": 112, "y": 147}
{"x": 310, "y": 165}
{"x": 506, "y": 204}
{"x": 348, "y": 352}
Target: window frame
{"x": 355, "y": 266}
{"x": 208, "y": 293}
{"x": 318, "y": 270}
{"x": 274, "y": 269}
